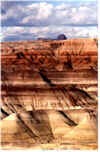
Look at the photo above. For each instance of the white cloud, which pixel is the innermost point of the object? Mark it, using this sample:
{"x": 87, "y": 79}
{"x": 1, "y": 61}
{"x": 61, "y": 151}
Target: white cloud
{"x": 31, "y": 33}
{"x": 38, "y": 12}
{"x": 45, "y": 13}
{"x": 63, "y": 6}
{"x": 47, "y": 19}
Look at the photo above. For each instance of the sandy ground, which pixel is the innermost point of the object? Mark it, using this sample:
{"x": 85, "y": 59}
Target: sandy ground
{"x": 53, "y": 131}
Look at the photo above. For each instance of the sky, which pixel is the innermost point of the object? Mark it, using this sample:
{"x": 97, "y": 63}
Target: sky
{"x": 31, "y": 19}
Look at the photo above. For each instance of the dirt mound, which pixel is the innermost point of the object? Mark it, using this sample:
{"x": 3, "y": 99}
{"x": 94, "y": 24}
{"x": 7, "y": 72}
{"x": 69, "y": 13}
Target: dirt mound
{"x": 49, "y": 126}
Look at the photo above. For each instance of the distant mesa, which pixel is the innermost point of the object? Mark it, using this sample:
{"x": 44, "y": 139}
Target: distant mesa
{"x": 61, "y": 37}
{"x": 43, "y": 38}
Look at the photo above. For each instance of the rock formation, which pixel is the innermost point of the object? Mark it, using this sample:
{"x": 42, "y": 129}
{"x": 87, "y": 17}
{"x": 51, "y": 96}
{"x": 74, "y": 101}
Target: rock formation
{"x": 49, "y": 94}
{"x": 61, "y": 37}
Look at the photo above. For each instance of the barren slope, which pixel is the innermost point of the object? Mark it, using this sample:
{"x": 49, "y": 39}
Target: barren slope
{"x": 49, "y": 88}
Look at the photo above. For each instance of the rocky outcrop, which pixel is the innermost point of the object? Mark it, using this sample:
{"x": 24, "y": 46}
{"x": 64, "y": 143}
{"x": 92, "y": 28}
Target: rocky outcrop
{"x": 61, "y": 37}
{"x": 49, "y": 88}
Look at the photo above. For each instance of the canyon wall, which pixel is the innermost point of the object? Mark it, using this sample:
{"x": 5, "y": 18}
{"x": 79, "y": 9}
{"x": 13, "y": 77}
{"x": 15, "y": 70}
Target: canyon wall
{"x": 49, "y": 88}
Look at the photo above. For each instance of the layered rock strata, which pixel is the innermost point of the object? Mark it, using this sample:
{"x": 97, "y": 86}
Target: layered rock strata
{"x": 49, "y": 94}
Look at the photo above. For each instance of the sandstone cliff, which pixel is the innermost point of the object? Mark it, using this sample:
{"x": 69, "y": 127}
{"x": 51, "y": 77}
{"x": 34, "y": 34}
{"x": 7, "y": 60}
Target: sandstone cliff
{"x": 49, "y": 88}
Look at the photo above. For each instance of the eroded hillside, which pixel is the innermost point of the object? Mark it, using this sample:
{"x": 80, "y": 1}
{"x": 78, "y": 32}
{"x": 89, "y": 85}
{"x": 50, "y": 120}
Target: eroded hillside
{"x": 49, "y": 88}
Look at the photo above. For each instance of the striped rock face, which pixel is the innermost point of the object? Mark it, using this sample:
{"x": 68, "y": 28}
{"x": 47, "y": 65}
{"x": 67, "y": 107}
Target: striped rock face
{"x": 49, "y": 94}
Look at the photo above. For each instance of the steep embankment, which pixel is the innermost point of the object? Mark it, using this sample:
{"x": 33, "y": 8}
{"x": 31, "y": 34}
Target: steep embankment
{"x": 49, "y": 88}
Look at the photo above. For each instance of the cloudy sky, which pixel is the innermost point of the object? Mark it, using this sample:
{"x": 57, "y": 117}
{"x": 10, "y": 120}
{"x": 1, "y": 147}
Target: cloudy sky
{"x": 31, "y": 19}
